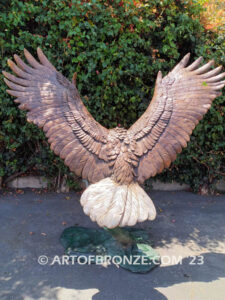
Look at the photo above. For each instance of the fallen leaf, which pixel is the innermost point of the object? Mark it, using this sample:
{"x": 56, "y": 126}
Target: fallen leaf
{"x": 19, "y": 191}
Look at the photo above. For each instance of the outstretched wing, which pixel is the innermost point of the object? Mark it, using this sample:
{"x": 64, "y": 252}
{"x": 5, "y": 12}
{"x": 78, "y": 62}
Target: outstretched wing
{"x": 55, "y": 105}
{"x": 180, "y": 100}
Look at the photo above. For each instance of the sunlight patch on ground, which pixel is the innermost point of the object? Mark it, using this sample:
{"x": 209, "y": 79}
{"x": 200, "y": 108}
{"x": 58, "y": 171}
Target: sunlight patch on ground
{"x": 195, "y": 290}
{"x": 61, "y": 293}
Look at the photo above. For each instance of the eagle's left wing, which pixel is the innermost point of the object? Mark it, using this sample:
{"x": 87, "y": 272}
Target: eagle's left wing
{"x": 180, "y": 100}
{"x": 53, "y": 103}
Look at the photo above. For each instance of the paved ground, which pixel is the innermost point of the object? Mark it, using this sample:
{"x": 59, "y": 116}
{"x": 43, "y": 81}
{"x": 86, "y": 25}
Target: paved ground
{"x": 187, "y": 225}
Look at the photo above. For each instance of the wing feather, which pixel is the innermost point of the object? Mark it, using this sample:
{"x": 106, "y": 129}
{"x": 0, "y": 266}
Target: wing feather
{"x": 54, "y": 104}
{"x": 180, "y": 101}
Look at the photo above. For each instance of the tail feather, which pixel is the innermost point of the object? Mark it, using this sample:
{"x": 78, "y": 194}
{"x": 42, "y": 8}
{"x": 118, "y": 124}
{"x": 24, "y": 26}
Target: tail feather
{"x": 111, "y": 205}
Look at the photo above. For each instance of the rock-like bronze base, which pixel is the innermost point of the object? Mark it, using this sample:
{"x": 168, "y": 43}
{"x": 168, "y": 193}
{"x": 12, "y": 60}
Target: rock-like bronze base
{"x": 128, "y": 248}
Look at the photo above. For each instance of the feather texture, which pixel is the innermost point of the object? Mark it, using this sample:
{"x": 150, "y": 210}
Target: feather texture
{"x": 115, "y": 160}
{"x": 54, "y": 104}
{"x": 180, "y": 101}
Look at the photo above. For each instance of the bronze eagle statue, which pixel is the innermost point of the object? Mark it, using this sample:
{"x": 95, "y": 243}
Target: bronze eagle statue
{"x": 115, "y": 161}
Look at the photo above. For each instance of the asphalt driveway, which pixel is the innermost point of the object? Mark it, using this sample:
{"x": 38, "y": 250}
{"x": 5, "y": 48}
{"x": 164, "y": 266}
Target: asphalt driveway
{"x": 188, "y": 226}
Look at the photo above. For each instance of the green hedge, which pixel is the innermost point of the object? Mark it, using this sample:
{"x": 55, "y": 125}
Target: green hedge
{"x": 116, "y": 48}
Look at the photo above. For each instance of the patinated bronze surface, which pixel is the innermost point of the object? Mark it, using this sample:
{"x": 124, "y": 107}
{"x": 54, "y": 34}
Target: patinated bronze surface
{"x": 115, "y": 160}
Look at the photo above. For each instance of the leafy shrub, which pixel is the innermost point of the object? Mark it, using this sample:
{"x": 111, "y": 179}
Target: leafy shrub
{"x": 116, "y": 48}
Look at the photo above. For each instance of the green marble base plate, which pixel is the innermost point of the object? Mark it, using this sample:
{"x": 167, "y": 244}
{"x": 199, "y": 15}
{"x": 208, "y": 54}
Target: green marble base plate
{"x": 128, "y": 248}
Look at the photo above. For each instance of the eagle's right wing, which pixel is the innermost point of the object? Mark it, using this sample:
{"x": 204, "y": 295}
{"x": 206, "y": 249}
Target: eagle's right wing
{"x": 180, "y": 100}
